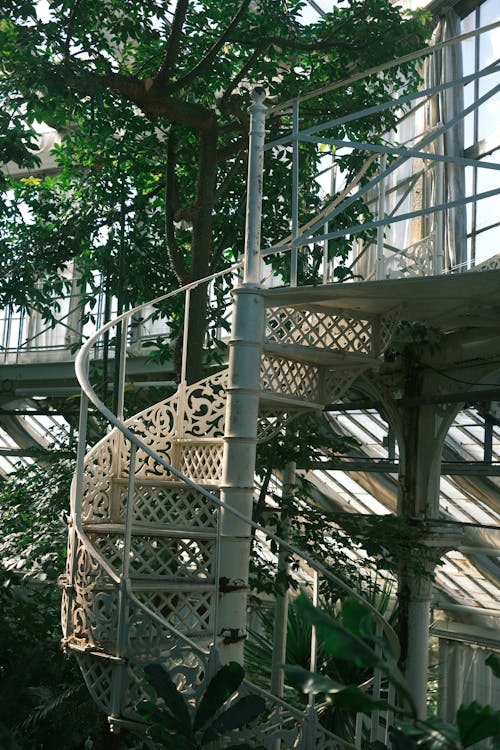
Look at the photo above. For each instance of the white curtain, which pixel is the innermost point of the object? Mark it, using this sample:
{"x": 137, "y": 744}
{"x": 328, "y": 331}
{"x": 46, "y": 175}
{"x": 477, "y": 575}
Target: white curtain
{"x": 445, "y": 65}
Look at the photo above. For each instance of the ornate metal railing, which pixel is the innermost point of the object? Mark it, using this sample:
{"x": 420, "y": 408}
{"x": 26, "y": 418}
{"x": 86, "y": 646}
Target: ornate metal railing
{"x": 177, "y": 440}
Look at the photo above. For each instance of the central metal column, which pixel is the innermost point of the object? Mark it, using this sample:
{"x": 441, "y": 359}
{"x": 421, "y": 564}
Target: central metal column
{"x": 242, "y": 409}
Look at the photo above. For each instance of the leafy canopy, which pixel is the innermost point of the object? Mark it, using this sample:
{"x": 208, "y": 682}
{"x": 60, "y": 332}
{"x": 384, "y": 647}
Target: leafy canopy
{"x": 152, "y": 101}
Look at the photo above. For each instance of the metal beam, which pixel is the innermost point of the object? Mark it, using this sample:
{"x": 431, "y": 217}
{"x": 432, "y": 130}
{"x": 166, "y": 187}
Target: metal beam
{"x": 448, "y": 468}
{"x": 469, "y": 398}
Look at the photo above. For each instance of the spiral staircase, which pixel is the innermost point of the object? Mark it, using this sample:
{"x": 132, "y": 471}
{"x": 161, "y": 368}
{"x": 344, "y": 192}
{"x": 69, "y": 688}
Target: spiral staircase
{"x": 146, "y": 544}
{"x": 160, "y": 530}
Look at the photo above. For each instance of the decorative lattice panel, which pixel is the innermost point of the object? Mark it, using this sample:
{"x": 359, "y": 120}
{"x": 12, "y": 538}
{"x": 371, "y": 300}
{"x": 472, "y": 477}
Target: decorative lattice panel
{"x": 336, "y": 331}
{"x": 288, "y": 377}
{"x": 191, "y": 613}
{"x": 337, "y": 381}
{"x": 415, "y": 260}
{"x": 387, "y": 326}
{"x": 491, "y": 264}
{"x": 201, "y": 461}
{"x": 91, "y": 604}
{"x": 171, "y": 505}
{"x": 158, "y": 557}
{"x": 197, "y": 410}
{"x": 205, "y": 407}
{"x": 149, "y": 641}
{"x": 97, "y": 478}
{"x": 98, "y": 675}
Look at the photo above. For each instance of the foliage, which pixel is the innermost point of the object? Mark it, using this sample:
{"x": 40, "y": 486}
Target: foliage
{"x": 42, "y": 696}
{"x": 151, "y": 99}
{"x": 218, "y": 713}
{"x": 381, "y": 543}
{"x": 413, "y": 340}
{"x": 355, "y": 643}
{"x": 259, "y": 648}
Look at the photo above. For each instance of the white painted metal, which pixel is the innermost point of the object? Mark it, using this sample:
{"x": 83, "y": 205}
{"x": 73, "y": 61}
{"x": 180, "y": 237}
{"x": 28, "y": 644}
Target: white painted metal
{"x": 252, "y": 261}
{"x": 282, "y": 599}
{"x": 238, "y": 468}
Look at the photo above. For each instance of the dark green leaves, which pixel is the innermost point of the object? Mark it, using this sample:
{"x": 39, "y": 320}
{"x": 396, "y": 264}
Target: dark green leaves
{"x": 169, "y": 716}
{"x": 240, "y": 713}
{"x": 174, "y": 703}
{"x": 493, "y": 661}
{"x": 343, "y": 644}
{"x": 337, "y": 640}
{"x": 348, "y": 697}
{"x": 476, "y": 723}
{"x": 221, "y": 688}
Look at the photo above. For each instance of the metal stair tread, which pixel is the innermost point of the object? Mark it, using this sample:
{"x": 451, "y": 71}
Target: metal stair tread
{"x": 146, "y": 583}
{"x": 160, "y": 529}
{"x": 181, "y": 585}
{"x": 318, "y": 356}
{"x": 270, "y": 399}
{"x": 436, "y": 298}
{"x": 161, "y": 482}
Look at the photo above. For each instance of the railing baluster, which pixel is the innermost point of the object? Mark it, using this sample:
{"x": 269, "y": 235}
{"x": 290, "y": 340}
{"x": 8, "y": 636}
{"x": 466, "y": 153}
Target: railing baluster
{"x": 295, "y": 193}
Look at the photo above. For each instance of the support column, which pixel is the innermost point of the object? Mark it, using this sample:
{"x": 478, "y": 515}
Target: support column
{"x": 237, "y": 487}
{"x": 423, "y": 428}
{"x": 242, "y": 409}
{"x": 281, "y": 603}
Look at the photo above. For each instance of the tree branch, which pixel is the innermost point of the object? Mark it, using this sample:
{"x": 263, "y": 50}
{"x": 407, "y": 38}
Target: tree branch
{"x": 69, "y": 28}
{"x": 174, "y": 40}
{"x": 232, "y": 149}
{"x": 212, "y": 53}
{"x": 155, "y": 104}
{"x": 243, "y": 71}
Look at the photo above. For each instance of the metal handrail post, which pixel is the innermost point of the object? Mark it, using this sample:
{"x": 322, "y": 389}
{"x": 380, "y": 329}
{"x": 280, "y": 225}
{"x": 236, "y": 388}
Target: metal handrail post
{"x": 295, "y": 194}
{"x": 185, "y": 335}
{"x": 380, "y": 274}
{"x": 121, "y": 369}
{"x": 282, "y": 598}
{"x": 255, "y": 182}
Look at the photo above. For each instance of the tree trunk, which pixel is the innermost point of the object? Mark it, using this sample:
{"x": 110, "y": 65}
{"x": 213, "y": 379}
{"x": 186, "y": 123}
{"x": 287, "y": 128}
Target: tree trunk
{"x": 201, "y": 252}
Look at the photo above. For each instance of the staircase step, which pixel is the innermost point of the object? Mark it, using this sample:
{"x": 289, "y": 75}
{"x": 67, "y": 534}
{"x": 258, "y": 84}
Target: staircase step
{"x": 182, "y": 585}
{"x": 139, "y": 529}
{"x": 166, "y": 585}
{"x": 163, "y": 483}
{"x": 270, "y": 400}
{"x": 319, "y": 356}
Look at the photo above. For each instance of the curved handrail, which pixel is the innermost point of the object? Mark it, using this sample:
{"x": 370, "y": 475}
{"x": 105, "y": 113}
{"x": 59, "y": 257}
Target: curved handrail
{"x": 81, "y": 367}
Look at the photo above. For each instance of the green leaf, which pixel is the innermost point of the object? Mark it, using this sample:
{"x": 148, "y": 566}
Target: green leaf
{"x": 493, "y": 661}
{"x": 337, "y": 640}
{"x": 476, "y": 723}
{"x": 159, "y": 678}
{"x": 225, "y": 683}
{"x": 170, "y": 740}
{"x": 348, "y": 697}
{"x": 357, "y": 619}
{"x": 401, "y": 741}
{"x": 342, "y": 644}
{"x": 242, "y": 712}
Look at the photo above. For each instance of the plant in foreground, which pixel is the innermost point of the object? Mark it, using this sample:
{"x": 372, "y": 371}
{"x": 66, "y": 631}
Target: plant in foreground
{"x": 176, "y": 725}
{"x": 353, "y": 643}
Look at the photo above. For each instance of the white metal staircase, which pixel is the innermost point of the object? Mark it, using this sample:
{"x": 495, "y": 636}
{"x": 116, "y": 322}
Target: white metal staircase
{"x": 143, "y": 575}
{"x": 150, "y": 547}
